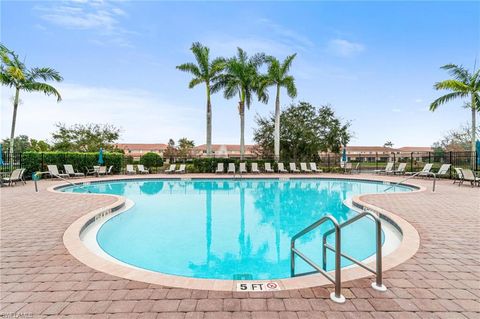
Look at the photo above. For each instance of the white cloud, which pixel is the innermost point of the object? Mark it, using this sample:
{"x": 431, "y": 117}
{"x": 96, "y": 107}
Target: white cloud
{"x": 143, "y": 116}
{"x": 103, "y": 17}
{"x": 344, "y": 48}
{"x": 418, "y": 100}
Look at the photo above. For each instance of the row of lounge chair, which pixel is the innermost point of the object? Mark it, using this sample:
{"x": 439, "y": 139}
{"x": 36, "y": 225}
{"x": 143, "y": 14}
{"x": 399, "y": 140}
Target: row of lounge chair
{"x": 140, "y": 169}
{"x": 70, "y": 172}
{"x": 426, "y": 171}
{"x": 268, "y": 168}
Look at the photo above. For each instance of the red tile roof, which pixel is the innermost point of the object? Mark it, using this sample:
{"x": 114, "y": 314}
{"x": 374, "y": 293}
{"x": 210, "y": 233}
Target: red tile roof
{"x": 141, "y": 147}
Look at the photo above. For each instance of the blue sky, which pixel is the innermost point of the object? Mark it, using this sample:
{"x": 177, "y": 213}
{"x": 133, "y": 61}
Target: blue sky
{"x": 374, "y": 62}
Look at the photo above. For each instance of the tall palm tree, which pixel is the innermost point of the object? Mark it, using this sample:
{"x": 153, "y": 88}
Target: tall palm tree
{"x": 241, "y": 78}
{"x": 205, "y": 71}
{"x": 14, "y": 73}
{"x": 277, "y": 75}
{"x": 463, "y": 85}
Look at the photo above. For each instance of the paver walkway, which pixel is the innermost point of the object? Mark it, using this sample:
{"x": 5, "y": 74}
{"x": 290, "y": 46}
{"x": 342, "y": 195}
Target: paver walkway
{"x": 40, "y": 278}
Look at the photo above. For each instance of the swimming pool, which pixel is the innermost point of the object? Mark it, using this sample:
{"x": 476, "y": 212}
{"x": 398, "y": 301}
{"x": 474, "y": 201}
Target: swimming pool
{"x": 231, "y": 229}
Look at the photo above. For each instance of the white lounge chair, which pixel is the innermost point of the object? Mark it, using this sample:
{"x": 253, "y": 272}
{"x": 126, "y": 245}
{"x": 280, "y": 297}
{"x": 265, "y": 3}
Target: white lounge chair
{"x": 130, "y": 169}
{"x": 459, "y": 175}
{"x": 254, "y": 168}
{"x": 348, "y": 167}
{"x": 71, "y": 172}
{"x": 53, "y": 170}
{"x": 242, "y": 169}
{"x": 102, "y": 170}
{"x": 469, "y": 176}
{"x": 93, "y": 171}
{"x": 303, "y": 168}
{"x": 171, "y": 169}
{"x": 220, "y": 168}
{"x": 426, "y": 170}
{"x": 281, "y": 168}
{"x": 141, "y": 169}
{"x": 400, "y": 169}
{"x": 268, "y": 168}
{"x": 231, "y": 168}
{"x": 15, "y": 176}
{"x": 443, "y": 170}
{"x": 313, "y": 168}
{"x": 293, "y": 168}
{"x": 181, "y": 169}
{"x": 110, "y": 170}
{"x": 388, "y": 169}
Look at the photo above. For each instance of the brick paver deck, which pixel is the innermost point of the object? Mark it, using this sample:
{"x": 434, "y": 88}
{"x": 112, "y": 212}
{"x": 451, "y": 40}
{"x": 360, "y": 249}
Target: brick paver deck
{"x": 39, "y": 278}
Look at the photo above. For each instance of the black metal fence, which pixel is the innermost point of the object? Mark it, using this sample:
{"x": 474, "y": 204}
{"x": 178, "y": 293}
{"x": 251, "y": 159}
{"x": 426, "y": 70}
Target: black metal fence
{"x": 364, "y": 163}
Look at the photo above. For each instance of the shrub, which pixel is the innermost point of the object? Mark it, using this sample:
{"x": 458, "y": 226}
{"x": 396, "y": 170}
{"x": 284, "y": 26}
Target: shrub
{"x": 151, "y": 159}
{"x": 38, "y": 161}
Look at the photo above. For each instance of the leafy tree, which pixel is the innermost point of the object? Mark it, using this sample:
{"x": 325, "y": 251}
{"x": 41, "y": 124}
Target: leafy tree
{"x": 39, "y": 146}
{"x": 277, "y": 75}
{"x": 22, "y": 143}
{"x": 305, "y": 131}
{"x": 151, "y": 159}
{"x": 171, "y": 151}
{"x": 242, "y": 79}
{"x": 14, "y": 74}
{"x": 457, "y": 140}
{"x": 85, "y": 137}
{"x": 464, "y": 84}
{"x": 185, "y": 147}
{"x": 204, "y": 71}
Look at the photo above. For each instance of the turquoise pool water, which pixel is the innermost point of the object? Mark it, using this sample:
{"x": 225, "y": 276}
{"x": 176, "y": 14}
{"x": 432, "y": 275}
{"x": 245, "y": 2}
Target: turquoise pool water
{"x": 226, "y": 229}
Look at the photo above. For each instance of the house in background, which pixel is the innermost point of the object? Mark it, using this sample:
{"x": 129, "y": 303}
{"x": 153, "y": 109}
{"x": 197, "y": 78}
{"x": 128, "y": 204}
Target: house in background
{"x": 137, "y": 150}
{"x": 225, "y": 150}
{"x": 387, "y": 154}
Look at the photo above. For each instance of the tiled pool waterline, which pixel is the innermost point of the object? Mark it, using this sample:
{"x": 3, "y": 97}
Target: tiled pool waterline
{"x": 231, "y": 229}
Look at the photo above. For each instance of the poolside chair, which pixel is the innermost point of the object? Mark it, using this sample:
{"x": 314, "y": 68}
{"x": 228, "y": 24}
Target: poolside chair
{"x": 459, "y": 173}
{"x": 426, "y": 170}
{"x": 348, "y": 167}
{"x": 293, "y": 168}
{"x": 469, "y": 176}
{"x": 400, "y": 169}
{"x": 388, "y": 169}
{"x": 304, "y": 169}
{"x": 93, "y": 171}
{"x": 242, "y": 169}
{"x": 443, "y": 170}
{"x": 71, "y": 172}
{"x": 313, "y": 168}
{"x": 231, "y": 168}
{"x": 356, "y": 168}
{"x": 171, "y": 169}
{"x": 110, "y": 170}
{"x": 15, "y": 176}
{"x": 181, "y": 169}
{"x": 254, "y": 168}
{"x": 102, "y": 170}
{"x": 220, "y": 168}
{"x": 281, "y": 168}
{"x": 268, "y": 168}
{"x": 141, "y": 169}
{"x": 130, "y": 169}
{"x": 53, "y": 171}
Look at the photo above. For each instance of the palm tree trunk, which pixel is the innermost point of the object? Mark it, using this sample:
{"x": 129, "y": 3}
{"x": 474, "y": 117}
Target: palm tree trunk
{"x": 241, "y": 108}
{"x": 277, "y": 125}
{"x": 474, "y": 128}
{"x": 209, "y": 123}
{"x": 14, "y": 121}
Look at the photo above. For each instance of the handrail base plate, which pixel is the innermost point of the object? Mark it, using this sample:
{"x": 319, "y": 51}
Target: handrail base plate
{"x": 336, "y": 299}
{"x": 381, "y": 288}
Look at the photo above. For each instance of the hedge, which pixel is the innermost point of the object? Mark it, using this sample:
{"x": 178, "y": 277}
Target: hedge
{"x": 151, "y": 159}
{"x": 38, "y": 161}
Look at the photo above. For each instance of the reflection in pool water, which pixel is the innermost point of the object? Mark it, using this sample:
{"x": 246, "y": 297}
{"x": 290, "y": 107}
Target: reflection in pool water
{"x": 225, "y": 229}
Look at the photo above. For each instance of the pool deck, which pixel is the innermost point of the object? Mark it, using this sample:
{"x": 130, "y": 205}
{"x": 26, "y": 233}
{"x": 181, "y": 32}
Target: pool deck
{"x": 39, "y": 277}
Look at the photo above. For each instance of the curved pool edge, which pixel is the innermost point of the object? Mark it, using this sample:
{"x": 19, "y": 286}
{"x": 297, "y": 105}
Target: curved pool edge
{"x": 75, "y": 246}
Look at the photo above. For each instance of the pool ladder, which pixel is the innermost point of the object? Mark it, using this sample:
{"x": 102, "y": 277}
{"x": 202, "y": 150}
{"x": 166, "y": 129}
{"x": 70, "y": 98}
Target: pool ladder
{"x": 337, "y": 296}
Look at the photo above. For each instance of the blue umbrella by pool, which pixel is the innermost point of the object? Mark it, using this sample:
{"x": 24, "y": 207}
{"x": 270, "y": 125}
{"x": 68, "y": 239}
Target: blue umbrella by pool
{"x": 344, "y": 154}
{"x": 1, "y": 155}
{"x": 100, "y": 157}
{"x": 478, "y": 152}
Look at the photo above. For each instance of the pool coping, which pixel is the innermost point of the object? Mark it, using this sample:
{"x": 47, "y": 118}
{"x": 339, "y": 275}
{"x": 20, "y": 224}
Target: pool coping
{"x": 71, "y": 239}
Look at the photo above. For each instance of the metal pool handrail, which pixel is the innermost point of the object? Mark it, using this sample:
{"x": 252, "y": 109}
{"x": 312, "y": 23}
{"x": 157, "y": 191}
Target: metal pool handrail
{"x": 337, "y": 281}
{"x": 377, "y": 285}
{"x": 412, "y": 176}
{"x": 63, "y": 179}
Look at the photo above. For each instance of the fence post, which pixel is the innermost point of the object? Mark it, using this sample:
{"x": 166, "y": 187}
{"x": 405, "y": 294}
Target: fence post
{"x": 376, "y": 160}
{"x": 328, "y": 162}
{"x": 451, "y": 165}
{"x": 411, "y": 161}
{"x": 429, "y": 160}
{"x": 43, "y": 163}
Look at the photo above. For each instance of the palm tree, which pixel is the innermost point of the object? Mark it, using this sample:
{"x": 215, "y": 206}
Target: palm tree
{"x": 14, "y": 73}
{"x": 241, "y": 77}
{"x": 205, "y": 71}
{"x": 463, "y": 85}
{"x": 277, "y": 75}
